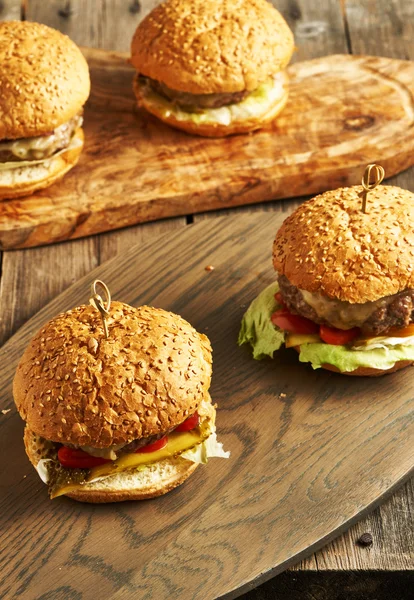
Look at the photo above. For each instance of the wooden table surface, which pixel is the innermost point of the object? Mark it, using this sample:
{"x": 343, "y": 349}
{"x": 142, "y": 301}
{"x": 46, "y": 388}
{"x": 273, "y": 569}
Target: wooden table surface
{"x": 31, "y": 278}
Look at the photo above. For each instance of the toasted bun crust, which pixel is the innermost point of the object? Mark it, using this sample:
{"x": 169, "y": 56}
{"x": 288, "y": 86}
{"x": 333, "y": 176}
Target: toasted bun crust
{"x": 328, "y": 245}
{"x": 211, "y": 129}
{"x": 44, "y": 79}
{"x": 369, "y": 372}
{"x": 155, "y": 480}
{"x": 205, "y": 46}
{"x": 28, "y": 179}
{"x": 73, "y": 385}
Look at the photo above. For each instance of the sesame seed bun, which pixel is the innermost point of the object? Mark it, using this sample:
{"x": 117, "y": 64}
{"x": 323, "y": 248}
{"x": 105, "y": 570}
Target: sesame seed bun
{"x": 211, "y": 129}
{"x": 22, "y": 181}
{"x": 205, "y": 46}
{"x": 329, "y": 246}
{"x": 74, "y": 386}
{"x": 155, "y": 480}
{"x": 44, "y": 79}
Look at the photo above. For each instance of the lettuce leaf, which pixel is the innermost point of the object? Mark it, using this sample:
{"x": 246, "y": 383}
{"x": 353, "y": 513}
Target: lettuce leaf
{"x": 258, "y": 330}
{"x": 208, "y": 449}
{"x": 256, "y": 327}
{"x": 348, "y": 359}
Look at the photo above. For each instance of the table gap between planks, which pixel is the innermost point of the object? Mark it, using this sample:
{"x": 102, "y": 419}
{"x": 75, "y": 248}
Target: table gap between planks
{"x": 31, "y": 278}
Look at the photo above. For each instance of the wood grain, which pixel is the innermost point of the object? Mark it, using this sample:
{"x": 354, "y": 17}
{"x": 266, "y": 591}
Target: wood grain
{"x": 383, "y": 29}
{"x": 10, "y": 10}
{"x": 343, "y": 113}
{"x": 109, "y": 25}
{"x": 318, "y": 31}
{"x": 303, "y": 465}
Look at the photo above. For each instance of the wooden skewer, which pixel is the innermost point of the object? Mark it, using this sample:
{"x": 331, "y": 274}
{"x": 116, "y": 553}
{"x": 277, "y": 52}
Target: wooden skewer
{"x": 379, "y": 174}
{"x": 96, "y": 301}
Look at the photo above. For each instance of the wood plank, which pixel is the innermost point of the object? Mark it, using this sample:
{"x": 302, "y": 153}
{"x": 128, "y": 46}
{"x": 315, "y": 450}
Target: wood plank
{"x": 381, "y": 28}
{"x": 393, "y": 537}
{"x": 318, "y": 27}
{"x": 116, "y": 242}
{"x": 31, "y": 278}
{"x": 303, "y": 465}
{"x": 344, "y": 112}
{"x": 355, "y": 585}
{"x": 10, "y": 10}
{"x": 94, "y": 23}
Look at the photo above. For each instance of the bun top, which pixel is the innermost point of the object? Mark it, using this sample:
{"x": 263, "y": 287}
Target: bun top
{"x": 212, "y": 46}
{"x": 73, "y": 385}
{"x": 328, "y": 245}
{"x": 44, "y": 79}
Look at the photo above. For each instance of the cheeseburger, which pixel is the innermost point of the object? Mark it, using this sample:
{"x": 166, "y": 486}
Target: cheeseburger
{"x": 44, "y": 83}
{"x": 212, "y": 67}
{"x": 123, "y": 417}
{"x": 344, "y": 296}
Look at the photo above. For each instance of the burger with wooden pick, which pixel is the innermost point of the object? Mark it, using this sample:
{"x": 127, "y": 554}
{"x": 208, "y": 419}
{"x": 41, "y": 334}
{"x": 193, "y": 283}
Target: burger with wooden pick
{"x": 116, "y": 401}
{"x": 344, "y": 295}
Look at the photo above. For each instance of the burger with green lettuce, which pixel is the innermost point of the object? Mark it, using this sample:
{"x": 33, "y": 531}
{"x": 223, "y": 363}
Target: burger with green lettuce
{"x": 212, "y": 68}
{"x": 344, "y": 293}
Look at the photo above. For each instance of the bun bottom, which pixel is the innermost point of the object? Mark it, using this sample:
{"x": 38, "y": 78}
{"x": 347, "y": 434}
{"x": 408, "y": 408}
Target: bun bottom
{"x": 368, "y": 371}
{"x": 155, "y": 480}
{"x": 23, "y": 181}
{"x": 213, "y": 129}
{"x": 163, "y": 477}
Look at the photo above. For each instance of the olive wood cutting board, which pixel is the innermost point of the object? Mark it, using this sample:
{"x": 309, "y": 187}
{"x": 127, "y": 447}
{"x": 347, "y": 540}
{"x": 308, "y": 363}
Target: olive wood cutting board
{"x": 343, "y": 113}
{"x": 311, "y": 451}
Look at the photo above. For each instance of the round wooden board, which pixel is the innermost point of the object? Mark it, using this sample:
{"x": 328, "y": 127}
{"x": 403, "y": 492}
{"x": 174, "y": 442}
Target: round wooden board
{"x": 311, "y": 451}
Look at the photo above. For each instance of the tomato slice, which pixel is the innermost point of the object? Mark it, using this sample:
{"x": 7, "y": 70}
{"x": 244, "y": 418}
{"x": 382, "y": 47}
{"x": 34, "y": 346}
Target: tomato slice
{"x": 395, "y": 332}
{"x": 190, "y": 423}
{"x": 279, "y": 298}
{"x": 338, "y": 337}
{"x": 154, "y": 446}
{"x": 293, "y": 323}
{"x": 74, "y": 458}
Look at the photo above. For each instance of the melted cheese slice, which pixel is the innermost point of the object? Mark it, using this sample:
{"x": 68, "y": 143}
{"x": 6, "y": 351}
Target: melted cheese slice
{"x": 177, "y": 443}
{"x": 74, "y": 143}
{"x": 296, "y": 339}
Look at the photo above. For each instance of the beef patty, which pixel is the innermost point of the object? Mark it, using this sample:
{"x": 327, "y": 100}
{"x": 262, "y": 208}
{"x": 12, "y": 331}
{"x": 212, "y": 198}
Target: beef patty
{"x": 393, "y": 311}
{"x": 193, "y": 102}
